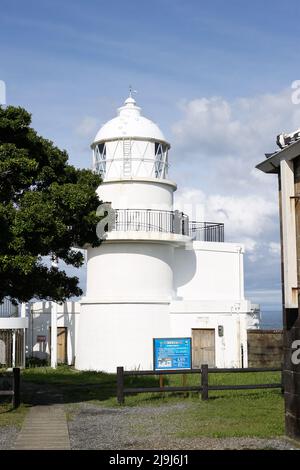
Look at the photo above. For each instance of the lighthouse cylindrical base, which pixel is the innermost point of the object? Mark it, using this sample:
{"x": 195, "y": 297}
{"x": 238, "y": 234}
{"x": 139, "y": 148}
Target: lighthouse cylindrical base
{"x": 120, "y": 334}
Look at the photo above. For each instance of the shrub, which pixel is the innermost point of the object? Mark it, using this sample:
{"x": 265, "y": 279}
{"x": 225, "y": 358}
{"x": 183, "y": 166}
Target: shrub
{"x": 33, "y": 361}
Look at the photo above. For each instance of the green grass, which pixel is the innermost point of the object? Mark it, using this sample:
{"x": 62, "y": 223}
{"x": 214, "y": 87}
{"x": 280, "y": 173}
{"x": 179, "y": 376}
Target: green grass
{"x": 78, "y": 386}
{"x": 230, "y": 413}
{"x": 64, "y": 375}
{"x": 252, "y": 413}
{"x": 70, "y": 381}
{"x": 8, "y": 415}
{"x": 236, "y": 414}
{"x": 11, "y": 417}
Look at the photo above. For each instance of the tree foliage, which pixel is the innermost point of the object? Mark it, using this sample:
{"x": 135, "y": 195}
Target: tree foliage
{"x": 47, "y": 207}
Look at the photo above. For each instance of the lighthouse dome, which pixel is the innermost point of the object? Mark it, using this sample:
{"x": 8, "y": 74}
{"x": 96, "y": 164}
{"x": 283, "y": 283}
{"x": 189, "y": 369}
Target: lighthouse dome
{"x": 129, "y": 124}
{"x": 130, "y": 146}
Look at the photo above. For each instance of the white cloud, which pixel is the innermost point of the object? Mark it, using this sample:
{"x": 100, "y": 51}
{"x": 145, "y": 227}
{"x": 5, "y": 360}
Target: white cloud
{"x": 218, "y": 142}
{"x": 217, "y": 127}
{"x": 216, "y": 145}
{"x": 208, "y": 122}
{"x": 274, "y": 248}
{"x": 249, "y": 243}
{"x": 244, "y": 217}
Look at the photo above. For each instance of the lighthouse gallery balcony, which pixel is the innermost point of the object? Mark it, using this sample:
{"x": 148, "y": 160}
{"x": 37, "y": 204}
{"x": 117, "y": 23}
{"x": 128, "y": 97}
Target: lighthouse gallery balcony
{"x": 149, "y": 220}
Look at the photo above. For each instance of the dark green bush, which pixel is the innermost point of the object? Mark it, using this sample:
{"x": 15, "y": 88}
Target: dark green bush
{"x": 33, "y": 361}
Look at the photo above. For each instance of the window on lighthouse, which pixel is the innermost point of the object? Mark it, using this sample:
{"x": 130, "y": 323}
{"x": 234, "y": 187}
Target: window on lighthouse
{"x": 160, "y": 160}
{"x": 101, "y": 159}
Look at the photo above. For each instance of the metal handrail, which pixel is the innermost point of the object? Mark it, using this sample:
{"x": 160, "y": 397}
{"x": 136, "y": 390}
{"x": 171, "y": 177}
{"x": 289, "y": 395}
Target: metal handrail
{"x": 144, "y": 220}
{"x": 155, "y": 220}
{"x": 206, "y": 231}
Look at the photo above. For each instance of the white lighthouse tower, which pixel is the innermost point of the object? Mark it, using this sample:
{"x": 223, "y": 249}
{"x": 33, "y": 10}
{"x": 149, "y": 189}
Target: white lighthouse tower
{"x": 153, "y": 275}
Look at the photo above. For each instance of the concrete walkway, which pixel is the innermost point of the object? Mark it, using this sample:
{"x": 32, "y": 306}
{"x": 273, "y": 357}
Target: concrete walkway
{"x": 44, "y": 428}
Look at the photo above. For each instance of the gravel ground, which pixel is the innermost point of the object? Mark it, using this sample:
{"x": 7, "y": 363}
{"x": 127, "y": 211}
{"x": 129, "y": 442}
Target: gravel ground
{"x": 93, "y": 427}
{"x": 8, "y": 435}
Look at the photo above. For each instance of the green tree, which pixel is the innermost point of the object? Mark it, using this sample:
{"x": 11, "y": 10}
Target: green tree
{"x": 47, "y": 207}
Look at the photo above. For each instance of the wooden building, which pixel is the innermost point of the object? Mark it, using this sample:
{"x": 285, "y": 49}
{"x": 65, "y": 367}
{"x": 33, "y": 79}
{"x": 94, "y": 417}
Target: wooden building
{"x": 286, "y": 165}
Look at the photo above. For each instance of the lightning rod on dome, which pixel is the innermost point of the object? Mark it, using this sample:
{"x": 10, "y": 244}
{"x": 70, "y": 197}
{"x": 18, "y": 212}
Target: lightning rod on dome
{"x": 131, "y": 91}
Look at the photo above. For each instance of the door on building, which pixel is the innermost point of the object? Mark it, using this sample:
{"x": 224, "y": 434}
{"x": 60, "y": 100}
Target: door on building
{"x": 203, "y": 347}
{"x": 62, "y": 334}
{"x": 62, "y": 345}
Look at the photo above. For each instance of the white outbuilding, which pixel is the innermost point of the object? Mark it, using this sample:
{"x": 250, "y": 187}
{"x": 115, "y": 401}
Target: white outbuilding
{"x": 156, "y": 274}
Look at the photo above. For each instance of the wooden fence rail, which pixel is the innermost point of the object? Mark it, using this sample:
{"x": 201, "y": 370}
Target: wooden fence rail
{"x": 203, "y": 386}
{"x": 15, "y": 390}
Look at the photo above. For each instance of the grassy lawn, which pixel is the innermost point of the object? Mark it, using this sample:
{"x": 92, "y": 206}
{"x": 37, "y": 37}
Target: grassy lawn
{"x": 230, "y": 413}
{"x": 8, "y": 415}
{"x": 65, "y": 375}
{"x": 11, "y": 417}
{"x": 235, "y": 414}
{"x": 226, "y": 414}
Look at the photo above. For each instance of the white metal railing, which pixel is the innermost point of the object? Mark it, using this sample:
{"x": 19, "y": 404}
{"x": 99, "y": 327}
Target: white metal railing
{"x": 151, "y": 220}
{"x": 8, "y": 309}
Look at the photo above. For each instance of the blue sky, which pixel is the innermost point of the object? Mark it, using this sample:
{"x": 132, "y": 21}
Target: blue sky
{"x": 215, "y": 75}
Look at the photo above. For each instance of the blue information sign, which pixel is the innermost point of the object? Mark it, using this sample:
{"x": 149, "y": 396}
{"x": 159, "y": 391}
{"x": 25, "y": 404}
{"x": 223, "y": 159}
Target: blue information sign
{"x": 172, "y": 353}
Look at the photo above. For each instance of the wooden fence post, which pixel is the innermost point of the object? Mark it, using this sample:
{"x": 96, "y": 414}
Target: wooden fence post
{"x": 16, "y": 387}
{"x": 120, "y": 385}
{"x": 204, "y": 381}
{"x": 161, "y": 381}
{"x": 184, "y": 382}
{"x": 282, "y": 379}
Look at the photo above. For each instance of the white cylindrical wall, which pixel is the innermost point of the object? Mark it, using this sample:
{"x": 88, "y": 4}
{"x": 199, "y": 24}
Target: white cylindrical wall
{"x": 113, "y": 335}
{"x": 134, "y": 194}
{"x": 130, "y": 271}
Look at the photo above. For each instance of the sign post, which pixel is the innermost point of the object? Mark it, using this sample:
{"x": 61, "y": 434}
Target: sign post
{"x": 172, "y": 353}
